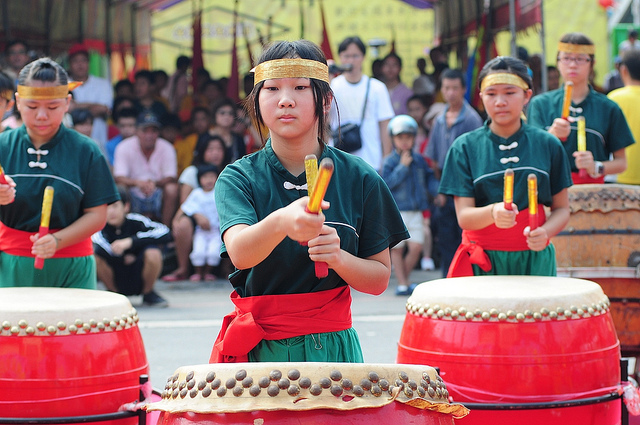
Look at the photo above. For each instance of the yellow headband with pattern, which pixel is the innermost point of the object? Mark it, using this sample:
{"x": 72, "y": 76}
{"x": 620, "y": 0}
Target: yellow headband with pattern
{"x": 6, "y": 95}
{"x": 503, "y": 78}
{"x": 290, "y": 68}
{"x": 47, "y": 93}
{"x": 585, "y": 49}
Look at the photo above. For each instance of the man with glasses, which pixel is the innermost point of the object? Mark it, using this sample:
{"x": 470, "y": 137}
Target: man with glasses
{"x": 16, "y": 57}
{"x": 607, "y": 132}
{"x": 350, "y": 90}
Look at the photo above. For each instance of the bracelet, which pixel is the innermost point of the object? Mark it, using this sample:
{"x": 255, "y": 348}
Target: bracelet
{"x": 56, "y": 238}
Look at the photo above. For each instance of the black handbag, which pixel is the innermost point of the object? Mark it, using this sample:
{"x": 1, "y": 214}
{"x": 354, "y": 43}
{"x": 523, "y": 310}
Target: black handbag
{"x": 348, "y": 137}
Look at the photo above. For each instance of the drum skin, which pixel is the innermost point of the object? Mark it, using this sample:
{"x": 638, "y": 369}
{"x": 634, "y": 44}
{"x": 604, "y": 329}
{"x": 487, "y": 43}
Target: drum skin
{"x": 86, "y": 365}
{"x": 487, "y": 360}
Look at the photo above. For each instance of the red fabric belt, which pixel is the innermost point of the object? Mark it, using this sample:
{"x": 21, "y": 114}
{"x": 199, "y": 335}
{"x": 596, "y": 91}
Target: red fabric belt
{"x": 274, "y": 317}
{"x": 17, "y": 242}
{"x": 475, "y": 242}
{"x": 586, "y": 179}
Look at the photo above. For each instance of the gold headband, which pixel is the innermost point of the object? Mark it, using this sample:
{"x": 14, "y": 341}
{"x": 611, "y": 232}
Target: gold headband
{"x": 586, "y": 49}
{"x": 290, "y": 68}
{"x": 7, "y": 95}
{"x": 503, "y": 78}
{"x": 47, "y": 93}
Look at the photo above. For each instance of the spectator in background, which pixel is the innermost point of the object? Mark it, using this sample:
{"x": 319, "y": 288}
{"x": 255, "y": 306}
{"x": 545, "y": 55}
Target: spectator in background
{"x": 224, "y": 118}
{"x": 127, "y": 252}
{"x": 423, "y": 84}
{"x": 440, "y": 63}
{"x": 417, "y": 107}
{"x": 178, "y": 85}
{"x": 350, "y": 89}
{"x": 194, "y": 99}
{"x": 17, "y": 56}
{"x": 147, "y": 165}
{"x": 126, "y": 123}
{"x": 172, "y": 132}
{"x": 144, "y": 94}
{"x": 200, "y": 124}
{"x": 94, "y": 94}
{"x": 458, "y": 118}
{"x": 209, "y": 150}
{"x": 376, "y": 69}
{"x": 123, "y": 88}
{"x": 553, "y": 78}
{"x": 628, "y": 98}
{"x": 82, "y": 121}
{"x": 160, "y": 81}
{"x": 7, "y": 89}
{"x": 613, "y": 80}
{"x": 398, "y": 92}
{"x": 631, "y": 42}
{"x": 119, "y": 103}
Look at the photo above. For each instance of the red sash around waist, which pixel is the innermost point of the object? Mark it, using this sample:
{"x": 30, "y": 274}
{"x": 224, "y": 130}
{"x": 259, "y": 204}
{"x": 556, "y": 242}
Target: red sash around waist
{"x": 475, "y": 242}
{"x": 17, "y": 242}
{"x": 587, "y": 179}
{"x": 274, "y": 317}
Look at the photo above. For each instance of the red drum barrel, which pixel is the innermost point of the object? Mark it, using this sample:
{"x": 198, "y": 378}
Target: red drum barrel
{"x": 515, "y": 340}
{"x": 601, "y": 243}
{"x": 68, "y": 353}
{"x": 305, "y": 393}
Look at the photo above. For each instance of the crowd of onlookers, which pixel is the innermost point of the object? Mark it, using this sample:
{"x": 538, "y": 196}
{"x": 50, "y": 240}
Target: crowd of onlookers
{"x": 166, "y": 137}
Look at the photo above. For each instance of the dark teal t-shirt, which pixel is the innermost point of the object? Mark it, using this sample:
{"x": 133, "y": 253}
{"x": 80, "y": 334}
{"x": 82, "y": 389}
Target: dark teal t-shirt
{"x": 70, "y": 162}
{"x": 362, "y": 211}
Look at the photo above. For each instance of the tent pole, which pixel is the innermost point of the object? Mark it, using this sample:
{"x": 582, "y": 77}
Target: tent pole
{"x": 512, "y": 27}
{"x": 545, "y": 76}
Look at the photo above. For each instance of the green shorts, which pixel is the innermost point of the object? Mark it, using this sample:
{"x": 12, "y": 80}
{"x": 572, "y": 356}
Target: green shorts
{"x": 529, "y": 263}
{"x": 330, "y": 347}
{"x": 74, "y": 272}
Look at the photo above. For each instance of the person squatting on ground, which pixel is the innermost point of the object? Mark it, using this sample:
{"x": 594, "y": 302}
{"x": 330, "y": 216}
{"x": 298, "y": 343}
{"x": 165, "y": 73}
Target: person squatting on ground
{"x": 127, "y": 251}
{"x": 262, "y": 200}
{"x": 411, "y": 182}
{"x": 497, "y": 240}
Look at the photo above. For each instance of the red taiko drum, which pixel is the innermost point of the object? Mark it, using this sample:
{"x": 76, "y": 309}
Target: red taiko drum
{"x": 515, "y": 340}
{"x": 68, "y": 353}
{"x": 308, "y": 393}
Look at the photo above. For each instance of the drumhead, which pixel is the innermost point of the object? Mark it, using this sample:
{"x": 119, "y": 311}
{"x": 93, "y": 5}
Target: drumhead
{"x": 248, "y": 387}
{"x": 63, "y": 311}
{"x": 508, "y": 298}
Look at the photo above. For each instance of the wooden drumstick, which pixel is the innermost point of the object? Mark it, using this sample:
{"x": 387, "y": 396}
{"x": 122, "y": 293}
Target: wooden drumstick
{"x": 315, "y": 199}
{"x": 47, "y": 202}
{"x": 566, "y": 103}
{"x": 507, "y": 194}
{"x": 582, "y": 142}
{"x": 532, "y": 184}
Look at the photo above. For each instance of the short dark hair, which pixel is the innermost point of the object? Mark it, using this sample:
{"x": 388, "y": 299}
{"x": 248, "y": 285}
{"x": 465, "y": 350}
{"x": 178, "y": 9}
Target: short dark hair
{"x": 122, "y": 83}
{"x": 454, "y": 74}
{"x": 508, "y": 64}
{"x": 128, "y": 113}
{"x": 206, "y": 168}
{"x": 352, "y": 40}
{"x": 123, "y": 192}
{"x": 393, "y": 55}
{"x": 183, "y": 61}
{"x": 171, "y": 120}
{"x": 81, "y": 116}
{"x": 6, "y": 83}
{"x": 145, "y": 73}
{"x": 631, "y": 60}
{"x": 15, "y": 42}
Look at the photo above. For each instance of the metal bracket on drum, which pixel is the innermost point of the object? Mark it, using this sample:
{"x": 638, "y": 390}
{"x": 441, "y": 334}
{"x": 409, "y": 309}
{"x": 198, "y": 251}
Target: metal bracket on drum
{"x": 546, "y": 405}
{"x": 600, "y": 272}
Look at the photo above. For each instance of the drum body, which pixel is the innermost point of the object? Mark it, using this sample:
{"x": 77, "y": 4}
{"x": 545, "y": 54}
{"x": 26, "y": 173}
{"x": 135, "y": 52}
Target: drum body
{"x": 309, "y": 393}
{"x": 515, "y": 340}
{"x": 67, "y": 353}
{"x": 601, "y": 243}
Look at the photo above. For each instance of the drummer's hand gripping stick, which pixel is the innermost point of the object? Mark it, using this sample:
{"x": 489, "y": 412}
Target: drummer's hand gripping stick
{"x": 316, "y": 195}
{"x": 47, "y": 201}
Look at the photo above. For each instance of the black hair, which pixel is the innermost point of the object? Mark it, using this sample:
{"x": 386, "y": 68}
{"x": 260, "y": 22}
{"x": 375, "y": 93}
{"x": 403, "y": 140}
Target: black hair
{"x": 393, "y": 55}
{"x": 578, "y": 38}
{"x": 6, "y": 83}
{"x": 119, "y": 100}
{"x": 631, "y": 60}
{"x": 45, "y": 70}
{"x": 322, "y": 93}
{"x": 225, "y": 101}
{"x": 171, "y": 120}
{"x": 127, "y": 113}
{"x": 183, "y": 62}
{"x": 425, "y": 99}
{"x": 123, "y": 191}
{"x": 352, "y": 40}
{"x": 207, "y": 168}
{"x": 203, "y": 144}
{"x": 81, "y": 116}
{"x": 122, "y": 83}
{"x": 211, "y": 82}
{"x": 145, "y": 73}
{"x": 159, "y": 72}
{"x": 632, "y": 32}
{"x": 506, "y": 64}
{"x": 15, "y": 42}
{"x": 197, "y": 109}
{"x": 454, "y": 74}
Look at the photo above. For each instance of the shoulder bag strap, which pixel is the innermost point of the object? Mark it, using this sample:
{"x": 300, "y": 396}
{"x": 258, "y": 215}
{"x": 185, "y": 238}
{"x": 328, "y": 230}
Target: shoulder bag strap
{"x": 366, "y": 97}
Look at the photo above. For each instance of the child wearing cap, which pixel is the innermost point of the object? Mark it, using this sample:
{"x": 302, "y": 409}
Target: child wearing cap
{"x": 411, "y": 182}
{"x": 200, "y": 205}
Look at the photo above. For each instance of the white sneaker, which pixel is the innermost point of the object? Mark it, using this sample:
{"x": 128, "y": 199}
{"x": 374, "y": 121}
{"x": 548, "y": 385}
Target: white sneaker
{"x": 427, "y": 264}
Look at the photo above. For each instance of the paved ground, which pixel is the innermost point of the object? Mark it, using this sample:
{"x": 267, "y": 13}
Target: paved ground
{"x": 183, "y": 334}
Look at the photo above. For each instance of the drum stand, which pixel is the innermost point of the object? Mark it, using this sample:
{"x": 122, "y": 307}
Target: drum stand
{"x": 140, "y": 413}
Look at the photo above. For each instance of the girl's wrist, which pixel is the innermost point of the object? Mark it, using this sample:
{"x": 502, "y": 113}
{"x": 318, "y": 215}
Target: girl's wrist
{"x": 493, "y": 207}
{"x": 56, "y": 239}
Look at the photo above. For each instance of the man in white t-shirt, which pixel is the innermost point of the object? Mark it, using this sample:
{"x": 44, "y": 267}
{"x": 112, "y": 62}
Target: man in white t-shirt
{"x": 350, "y": 89}
{"x": 95, "y": 93}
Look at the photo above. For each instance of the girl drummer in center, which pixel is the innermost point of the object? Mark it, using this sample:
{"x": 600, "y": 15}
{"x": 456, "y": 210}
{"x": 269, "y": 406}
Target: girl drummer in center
{"x": 284, "y": 312}
{"x": 496, "y": 240}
